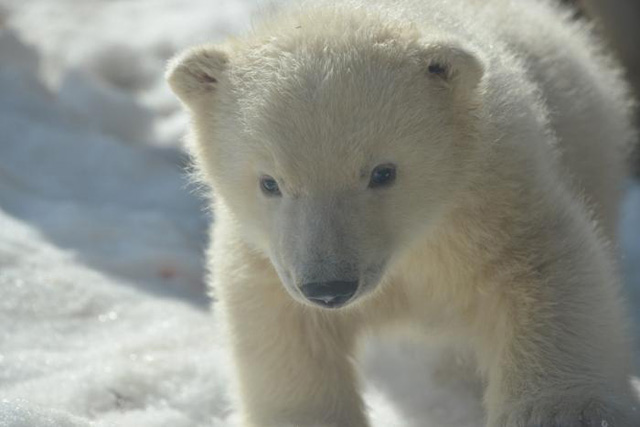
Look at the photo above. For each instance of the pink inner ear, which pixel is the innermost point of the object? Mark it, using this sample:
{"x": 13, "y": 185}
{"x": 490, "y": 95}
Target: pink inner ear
{"x": 437, "y": 69}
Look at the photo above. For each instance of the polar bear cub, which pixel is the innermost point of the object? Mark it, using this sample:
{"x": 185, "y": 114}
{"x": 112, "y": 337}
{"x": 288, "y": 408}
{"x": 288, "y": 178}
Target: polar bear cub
{"x": 450, "y": 165}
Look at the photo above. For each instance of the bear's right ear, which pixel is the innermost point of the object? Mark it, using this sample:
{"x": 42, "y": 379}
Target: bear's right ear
{"x": 195, "y": 74}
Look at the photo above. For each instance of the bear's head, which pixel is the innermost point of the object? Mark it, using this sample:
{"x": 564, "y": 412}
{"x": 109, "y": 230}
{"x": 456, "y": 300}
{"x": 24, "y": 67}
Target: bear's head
{"x": 333, "y": 142}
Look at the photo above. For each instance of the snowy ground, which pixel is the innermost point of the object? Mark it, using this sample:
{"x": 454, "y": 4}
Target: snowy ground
{"x": 103, "y": 314}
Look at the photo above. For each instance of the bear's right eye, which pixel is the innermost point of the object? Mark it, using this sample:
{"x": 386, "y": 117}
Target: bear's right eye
{"x": 269, "y": 186}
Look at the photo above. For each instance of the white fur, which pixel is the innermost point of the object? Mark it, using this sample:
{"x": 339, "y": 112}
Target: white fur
{"x": 499, "y": 231}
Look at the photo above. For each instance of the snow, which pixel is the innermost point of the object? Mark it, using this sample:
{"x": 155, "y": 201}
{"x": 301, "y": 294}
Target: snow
{"x": 104, "y": 314}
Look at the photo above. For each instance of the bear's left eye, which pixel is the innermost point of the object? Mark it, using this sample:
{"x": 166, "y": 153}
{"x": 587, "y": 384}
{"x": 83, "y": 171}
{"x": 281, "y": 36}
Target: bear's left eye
{"x": 382, "y": 175}
{"x": 269, "y": 186}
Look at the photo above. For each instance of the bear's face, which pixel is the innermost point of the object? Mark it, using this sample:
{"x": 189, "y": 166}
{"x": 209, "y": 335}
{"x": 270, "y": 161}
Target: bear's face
{"x": 331, "y": 157}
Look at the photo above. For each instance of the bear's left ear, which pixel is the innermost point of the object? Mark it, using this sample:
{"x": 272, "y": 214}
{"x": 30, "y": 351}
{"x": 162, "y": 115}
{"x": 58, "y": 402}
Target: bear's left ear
{"x": 456, "y": 67}
{"x": 195, "y": 74}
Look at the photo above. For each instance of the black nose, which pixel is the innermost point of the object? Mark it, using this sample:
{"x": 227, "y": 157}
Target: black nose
{"x": 330, "y": 294}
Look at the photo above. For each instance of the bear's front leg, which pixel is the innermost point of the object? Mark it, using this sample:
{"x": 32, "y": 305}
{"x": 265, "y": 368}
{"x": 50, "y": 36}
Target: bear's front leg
{"x": 293, "y": 362}
{"x": 556, "y": 357}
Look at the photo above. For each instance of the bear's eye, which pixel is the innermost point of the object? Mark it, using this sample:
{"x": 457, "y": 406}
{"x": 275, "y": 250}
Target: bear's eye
{"x": 269, "y": 186}
{"x": 382, "y": 175}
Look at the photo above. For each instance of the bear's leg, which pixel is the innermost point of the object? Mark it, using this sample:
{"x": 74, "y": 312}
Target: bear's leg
{"x": 294, "y": 368}
{"x": 293, "y": 362}
{"x": 557, "y": 362}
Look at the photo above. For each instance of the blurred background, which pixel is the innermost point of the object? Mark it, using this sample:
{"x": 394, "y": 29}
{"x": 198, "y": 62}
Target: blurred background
{"x": 104, "y": 317}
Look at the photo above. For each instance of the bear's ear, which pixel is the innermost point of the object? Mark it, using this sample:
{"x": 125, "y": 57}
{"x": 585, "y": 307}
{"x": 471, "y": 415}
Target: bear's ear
{"x": 456, "y": 67}
{"x": 196, "y": 73}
